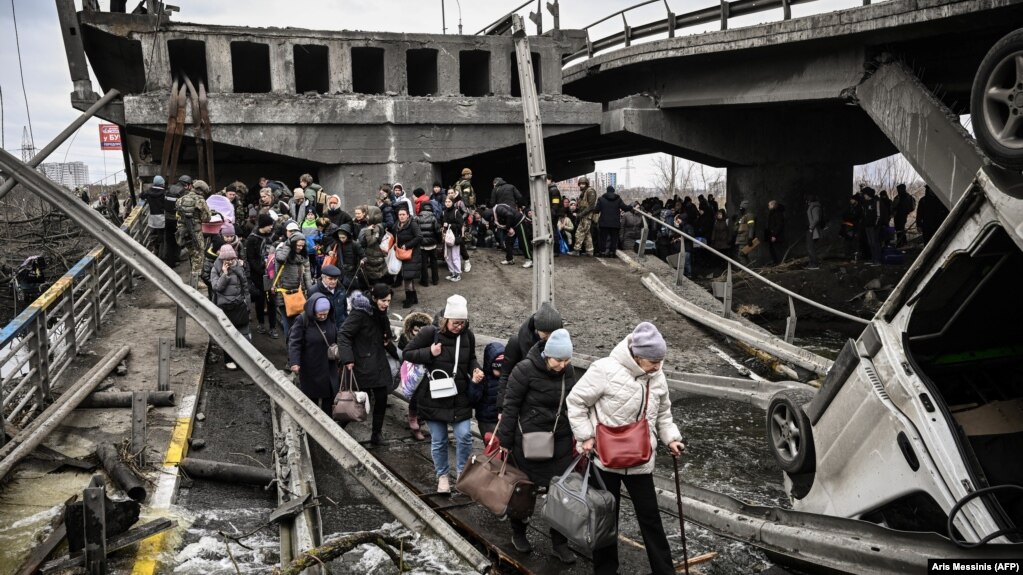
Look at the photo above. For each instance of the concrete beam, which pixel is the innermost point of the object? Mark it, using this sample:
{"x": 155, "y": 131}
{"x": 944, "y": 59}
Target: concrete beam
{"x": 733, "y": 136}
{"x": 925, "y": 131}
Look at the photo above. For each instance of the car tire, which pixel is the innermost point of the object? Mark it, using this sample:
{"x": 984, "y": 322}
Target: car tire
{"x": 996, "y": 102}
{"x": 789, "y": 433}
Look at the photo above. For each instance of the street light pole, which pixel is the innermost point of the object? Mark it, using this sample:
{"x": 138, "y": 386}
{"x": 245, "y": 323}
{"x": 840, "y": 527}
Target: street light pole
{"x": 443, "y": 20}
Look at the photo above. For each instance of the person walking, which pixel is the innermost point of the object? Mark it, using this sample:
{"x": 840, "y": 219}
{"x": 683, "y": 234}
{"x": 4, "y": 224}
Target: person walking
{"x": 230, "y": 285}
{"x": 535, "y": 402}
{"x": 775, "y": 231}
{"x": 407, "y": 235}
{"x": 452, "y": 221}
{"x": 153, "y": 195}
{"x": 451, "y": 348}
{"x": 258, "y": 246}
{"x": 191, "y": 211}
{"x": 815, "y": 225}
{"x": 365, "y": 341}
{"x": 586, "y": 206}
{"x": 292, "y": 274}
{"x": 431, "y": 230}
{"x": 904, "y": 204}
{"x": 310, "y": 336}
{"x": 610, "y": 207}
{"x": 330, "y": 285}
{"x": 615, "y": 391}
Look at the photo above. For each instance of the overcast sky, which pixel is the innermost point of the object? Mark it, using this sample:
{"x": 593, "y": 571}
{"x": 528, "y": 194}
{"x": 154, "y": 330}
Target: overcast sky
{"x": 48, "y": 85}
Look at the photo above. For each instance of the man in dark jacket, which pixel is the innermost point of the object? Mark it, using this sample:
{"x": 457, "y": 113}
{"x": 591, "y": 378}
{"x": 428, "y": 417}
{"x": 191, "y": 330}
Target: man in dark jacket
{"x": 537, "y": 328}
{"x": 930, "y": 214}
{"x": 258, "y": 246}
{"x": 870, "y": 223}
{"x": 154, "y": 197}
{"x": 509, "y": 221}
{"x": 329, "y": 285}
{"x": 904, "y": 204}
{"x": 505, "y": 193}
{"x": 171, "y": 249}
{"x": 610, "y": 207}
{"x": 430, "y": 229}
{"x": 775, "y": 230}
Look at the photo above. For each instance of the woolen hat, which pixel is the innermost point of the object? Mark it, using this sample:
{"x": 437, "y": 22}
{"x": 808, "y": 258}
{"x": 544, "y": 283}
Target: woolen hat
{"x": 158, "y": 181}
{"x": 227, "y": 252}
{"x": 293, "y": 227}
{"x": 330, "y": 271}
{"x": 456, "y": 308}
{"x": 227, "y": 230}
{"x": 322, "y": 304}
{"x": 547, "y": 319}
{"x": 648, "y": 343}
{"x": 559, "y": 345}
{"x": 264, "y": 220}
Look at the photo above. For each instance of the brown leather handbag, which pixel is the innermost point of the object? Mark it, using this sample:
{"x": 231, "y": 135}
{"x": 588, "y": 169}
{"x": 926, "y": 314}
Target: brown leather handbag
{"x": 349, "y": 403}
{"x": 625, "y": 446}
{"x": 495, "y": 484}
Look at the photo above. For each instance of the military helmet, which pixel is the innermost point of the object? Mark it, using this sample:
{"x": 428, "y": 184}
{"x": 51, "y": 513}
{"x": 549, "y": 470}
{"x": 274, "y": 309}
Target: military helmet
{"x": 584, "y": 180}
{"x": 187, "y": 180}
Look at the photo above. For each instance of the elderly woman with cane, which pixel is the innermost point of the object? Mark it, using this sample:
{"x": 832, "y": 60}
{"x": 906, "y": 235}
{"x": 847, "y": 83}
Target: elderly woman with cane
{"x": 626, "y": 394}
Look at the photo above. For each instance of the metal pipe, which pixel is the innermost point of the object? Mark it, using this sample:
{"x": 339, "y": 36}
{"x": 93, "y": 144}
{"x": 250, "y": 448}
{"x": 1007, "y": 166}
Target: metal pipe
{"x": 106, "y": 399}
{"x": 502, "y": 18}
{"x": 227, "y": 472}
{"x": 64, "y": 135}
{"x": 770, "y": 283}
{"x": 122, "y": 475}
{"x": 22, "y": 444}
{"x": 392, "y": 494}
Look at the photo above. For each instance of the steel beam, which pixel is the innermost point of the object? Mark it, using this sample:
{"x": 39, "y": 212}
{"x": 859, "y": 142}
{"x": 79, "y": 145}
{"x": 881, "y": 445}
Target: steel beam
{"x": 543, "y": 233}
{"x": 392, "y": 494}
{"x": 927, "y": 133}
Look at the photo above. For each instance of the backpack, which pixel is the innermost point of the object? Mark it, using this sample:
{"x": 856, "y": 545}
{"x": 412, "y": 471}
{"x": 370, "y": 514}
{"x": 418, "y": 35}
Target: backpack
{"x": 269, "y": 258}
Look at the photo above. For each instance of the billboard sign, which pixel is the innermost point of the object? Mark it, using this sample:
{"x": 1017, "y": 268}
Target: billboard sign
{"x": 109, "y": 137}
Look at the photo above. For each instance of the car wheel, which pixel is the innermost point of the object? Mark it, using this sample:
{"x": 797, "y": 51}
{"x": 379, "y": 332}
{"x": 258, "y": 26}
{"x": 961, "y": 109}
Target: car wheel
{"x": 996, "y": 102}
{"x": 789, "y": 433}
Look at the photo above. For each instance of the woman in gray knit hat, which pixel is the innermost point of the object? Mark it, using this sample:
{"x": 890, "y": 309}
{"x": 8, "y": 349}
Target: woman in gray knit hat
{"x": 616, "y": 391}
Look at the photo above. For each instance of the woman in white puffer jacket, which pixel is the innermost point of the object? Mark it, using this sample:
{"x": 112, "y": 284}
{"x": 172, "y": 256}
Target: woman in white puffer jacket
{"x": 613, "y": 392}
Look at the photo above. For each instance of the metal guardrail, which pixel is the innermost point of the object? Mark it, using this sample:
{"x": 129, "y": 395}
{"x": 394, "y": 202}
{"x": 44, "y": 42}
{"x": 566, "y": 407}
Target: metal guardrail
{"x": 39, "y": 344}
{"x": 791, "y": 294}
{"x": 673, "y": 22}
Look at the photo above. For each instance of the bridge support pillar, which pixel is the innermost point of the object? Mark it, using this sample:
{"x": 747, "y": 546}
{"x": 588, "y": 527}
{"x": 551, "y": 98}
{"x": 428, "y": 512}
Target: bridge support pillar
{"x": 358, "y": 183}
{"x": 789, "y": 184}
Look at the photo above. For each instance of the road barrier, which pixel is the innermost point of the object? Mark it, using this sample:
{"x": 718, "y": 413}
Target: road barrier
{"x": 39, "y": 344}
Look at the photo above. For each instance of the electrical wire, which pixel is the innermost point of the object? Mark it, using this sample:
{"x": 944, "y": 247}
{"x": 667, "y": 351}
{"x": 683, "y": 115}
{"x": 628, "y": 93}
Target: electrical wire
{"x": 950, "y": 527}
{"x": 152, "y": 49}
{"x": 21, "y": 71}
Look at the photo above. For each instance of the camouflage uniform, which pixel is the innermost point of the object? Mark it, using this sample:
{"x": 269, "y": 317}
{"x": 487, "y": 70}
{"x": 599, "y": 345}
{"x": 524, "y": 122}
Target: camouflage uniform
{"x": 192, "y": 212}
{"x": 464, "y": 187}
{"x": 587, "y": 206}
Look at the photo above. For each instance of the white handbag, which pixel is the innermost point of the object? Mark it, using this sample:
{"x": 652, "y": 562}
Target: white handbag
{"x": 441, "y": 387}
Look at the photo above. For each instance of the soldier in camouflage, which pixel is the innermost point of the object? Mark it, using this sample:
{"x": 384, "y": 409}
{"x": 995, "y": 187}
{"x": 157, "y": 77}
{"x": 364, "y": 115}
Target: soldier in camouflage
{"x": 464, "y": 187}
{"x": 192, "y": 212}
{"x": 587, "y": 205}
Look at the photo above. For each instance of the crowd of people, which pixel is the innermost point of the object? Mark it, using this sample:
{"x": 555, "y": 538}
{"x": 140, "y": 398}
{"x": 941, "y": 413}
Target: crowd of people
{"x": 275, "y": 245}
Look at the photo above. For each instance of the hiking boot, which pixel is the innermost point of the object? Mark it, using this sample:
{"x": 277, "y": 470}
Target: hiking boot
{"x": 443, "y": 484}
{"x": 521, "y": 543}
{"x": 563, "y": 553}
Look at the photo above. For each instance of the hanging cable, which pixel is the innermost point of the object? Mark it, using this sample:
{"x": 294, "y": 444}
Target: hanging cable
{"x": 950, "y": 526}
{"x": 152, "y": 48}
{"x": 21, "y": 71}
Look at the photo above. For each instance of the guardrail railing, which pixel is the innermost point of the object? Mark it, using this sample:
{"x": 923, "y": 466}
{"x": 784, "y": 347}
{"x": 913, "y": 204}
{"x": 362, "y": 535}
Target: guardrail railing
{"x": 38, "y": 345}
{"x": 724, "y": 291}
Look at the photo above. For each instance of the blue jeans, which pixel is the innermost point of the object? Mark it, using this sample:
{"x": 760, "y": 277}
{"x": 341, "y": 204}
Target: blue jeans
{"x": 439, "y": 444}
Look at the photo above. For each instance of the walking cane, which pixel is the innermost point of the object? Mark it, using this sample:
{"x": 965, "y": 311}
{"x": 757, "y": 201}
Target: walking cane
{"x": 681, "y": 517}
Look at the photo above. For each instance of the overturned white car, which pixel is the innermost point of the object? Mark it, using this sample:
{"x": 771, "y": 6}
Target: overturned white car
{"x": 921, "y": 418}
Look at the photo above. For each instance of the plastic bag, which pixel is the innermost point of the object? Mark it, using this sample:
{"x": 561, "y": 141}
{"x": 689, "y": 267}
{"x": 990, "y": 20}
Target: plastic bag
{"x": 393, "y": 263}
{"x": 411, "y": 375}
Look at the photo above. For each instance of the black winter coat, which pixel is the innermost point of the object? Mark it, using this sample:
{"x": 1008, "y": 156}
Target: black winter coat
{"x": 505, "y": 193}
{"x": 448, "y": 409}
{"x": 366, "y": 340}
{"x": 532, "y": 402}
{"x": 453, "y": 219}
{"x": 776, "y": 223}
{"x": 516, "y": 350}
{"x": 349, "y": 254}
{"x": 485, "y": 395}
{"x": 307, "y": 348}
{"x": 430, "y": 228}
{"x": 154, "y": 197}
{"x": 409, "y": 236}
{"x": 610, "y": 207}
